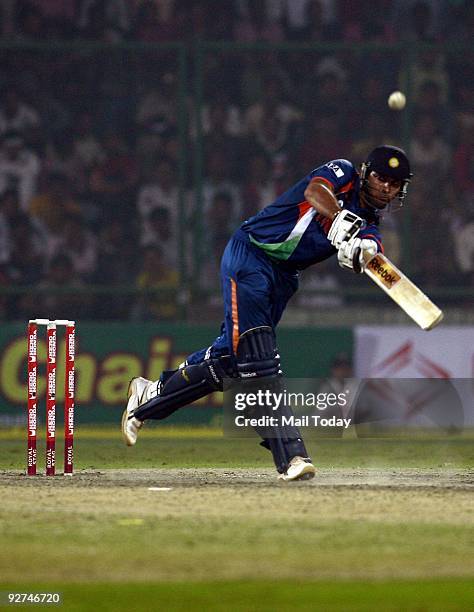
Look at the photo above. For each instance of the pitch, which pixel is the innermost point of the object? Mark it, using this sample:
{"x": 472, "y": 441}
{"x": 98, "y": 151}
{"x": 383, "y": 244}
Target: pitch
{"x": 190, "y": 519}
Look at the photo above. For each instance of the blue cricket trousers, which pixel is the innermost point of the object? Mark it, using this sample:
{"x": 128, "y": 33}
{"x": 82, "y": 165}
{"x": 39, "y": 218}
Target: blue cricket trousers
{"x": 255, "y": 291}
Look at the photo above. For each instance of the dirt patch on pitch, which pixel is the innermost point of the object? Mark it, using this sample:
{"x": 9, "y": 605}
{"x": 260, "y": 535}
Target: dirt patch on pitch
{"x": 370, "y": 478}
{"x": 390, "y": 495}
{"x": 189, "y": 524}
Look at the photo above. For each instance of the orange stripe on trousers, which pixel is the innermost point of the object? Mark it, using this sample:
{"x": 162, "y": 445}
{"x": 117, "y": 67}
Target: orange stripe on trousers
{"x": 235, "y": 316}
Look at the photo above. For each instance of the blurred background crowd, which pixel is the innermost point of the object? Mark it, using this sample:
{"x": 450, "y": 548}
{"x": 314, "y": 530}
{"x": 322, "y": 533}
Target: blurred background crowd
{"x": 136, "y": 135}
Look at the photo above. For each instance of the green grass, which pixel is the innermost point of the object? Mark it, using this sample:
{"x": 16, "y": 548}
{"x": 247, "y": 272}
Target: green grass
{"x": 173, "y": 448}
{"x": 361, "y": 596}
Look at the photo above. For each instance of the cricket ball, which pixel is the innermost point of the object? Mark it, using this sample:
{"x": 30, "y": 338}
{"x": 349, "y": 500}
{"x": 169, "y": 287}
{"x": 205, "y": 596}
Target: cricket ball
{"x": 397, "y": 100}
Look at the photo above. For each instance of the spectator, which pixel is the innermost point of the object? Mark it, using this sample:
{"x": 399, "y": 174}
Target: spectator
{"x": 60, "y": 293}
{"x": 327, "y": 132}
{"x": 115, "y": 267}
{"x": 113, "y": 181}
{"x": 11, "y": 236}
{"x": 194, "y": 21}
{"x": 221, "y": 26}
{"x": 254, "y": 23}
{"x": 80, "y": 244}
{"x": 58, "y": 17}
{"x": 4, "y": 301}
{"x": 116, "y": 253}
{"x": 311, "y": 25}
{"x": 340, "y": 379}
{"x": 464, "y": 249}
{"x": 158, "y": 284}
{"x": 272, "y": 103}
{"x": 222, "y": 128}
{"x": 430, "y": 273}
{"x": 8, "y": 210}
{"x": 154, "y": 25}
{"x": 326, "y": 84}
{"x": 18, "y": 116}
{"x": 273, "y": 138}
{"x": 258, "y": 187}
{"x": 321, "y": 287}
{"x": 367, "y": 21}
{"x": 19, "y": 168}
{"x": 429, "y": 152}
{"x": 28, "y": 251}
{"x": 7, "y": 19}
{"x": 86, "y": 145}
{"x": 53, "y": 205}
{"x": 297, "y": 12}
{"x": 371, "y": 129}
{"x": 429, "y": 101}
{"x": 371, "y": 102}
{"x": 423, "y": 198}
{"x": 222, "y": 116}
{"x": 418, "y": 20}
{"x": 220, "y": 228}
{"x": 430, "y": 67}
{"x": 391, "y": 225}
{"x": 59, "y": 159}
{"x": 218, "y": 233}
{"x": 218, "y": 180}
{"x": 463, "y": 165}
{"x": 157, "y": 230}
{"x": 156, "y": 119}
{"x": 462, "y": 93}
{"x": 161, "y": 191}
{"x": 460, "y": 24}
{"x": 106, "y": 20}
{"x": 30, "y": 24}
{"x": 157, "y": 104}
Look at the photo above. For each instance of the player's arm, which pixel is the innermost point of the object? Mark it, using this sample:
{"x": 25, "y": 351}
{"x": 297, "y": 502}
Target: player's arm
{"x": 345, "y": 223}
{"x": 320, "y": 194}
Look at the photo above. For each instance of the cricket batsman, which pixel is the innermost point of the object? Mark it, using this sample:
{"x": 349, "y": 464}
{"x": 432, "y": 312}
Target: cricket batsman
{"x": 334, "y": 210}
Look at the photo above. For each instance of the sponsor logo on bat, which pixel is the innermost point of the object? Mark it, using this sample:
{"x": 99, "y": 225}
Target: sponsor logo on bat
{"x": 384, "y": 271}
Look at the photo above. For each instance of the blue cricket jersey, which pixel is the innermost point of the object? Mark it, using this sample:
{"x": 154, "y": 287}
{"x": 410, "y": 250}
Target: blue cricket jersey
{"x": 291, "y": 230}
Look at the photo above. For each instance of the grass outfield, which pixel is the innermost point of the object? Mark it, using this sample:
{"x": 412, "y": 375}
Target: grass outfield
{"x": 190, "y": 520}
{"x": 361, "y": 596}
{"x": 181, "y": 447}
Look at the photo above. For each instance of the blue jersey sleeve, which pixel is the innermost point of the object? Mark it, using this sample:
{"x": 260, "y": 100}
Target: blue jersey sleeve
{"x": 340, "y": 173}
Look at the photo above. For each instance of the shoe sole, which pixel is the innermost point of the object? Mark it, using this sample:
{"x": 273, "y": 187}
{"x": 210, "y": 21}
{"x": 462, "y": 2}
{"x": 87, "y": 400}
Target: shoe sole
{"x": 306, "y": 476}
{"x": 126, "y": 414}
{"x": 126, "y": 439}
{"x": 307, "y": 473}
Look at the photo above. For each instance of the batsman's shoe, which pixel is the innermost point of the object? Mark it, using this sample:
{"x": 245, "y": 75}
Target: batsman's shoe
{"x": 298, "y": 469}
{"x": 130, "y": 425}
{"x": 130, "y": 428}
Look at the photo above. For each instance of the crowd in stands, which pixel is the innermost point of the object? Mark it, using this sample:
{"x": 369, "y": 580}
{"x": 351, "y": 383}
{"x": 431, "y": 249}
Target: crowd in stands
{"x": 114, "y": 182}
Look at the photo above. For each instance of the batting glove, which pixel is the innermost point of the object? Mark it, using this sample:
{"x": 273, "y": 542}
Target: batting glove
{"x": 345, "y": 226}
{"x": 351, "y": 253}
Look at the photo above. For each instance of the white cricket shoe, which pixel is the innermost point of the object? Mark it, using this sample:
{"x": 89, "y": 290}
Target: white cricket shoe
{"x": 299, "y": 469}
{"x": 136, "y": 394}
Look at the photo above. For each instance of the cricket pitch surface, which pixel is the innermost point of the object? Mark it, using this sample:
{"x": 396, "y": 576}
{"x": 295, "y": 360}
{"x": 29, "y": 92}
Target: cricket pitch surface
{"x": 369, "y": 537}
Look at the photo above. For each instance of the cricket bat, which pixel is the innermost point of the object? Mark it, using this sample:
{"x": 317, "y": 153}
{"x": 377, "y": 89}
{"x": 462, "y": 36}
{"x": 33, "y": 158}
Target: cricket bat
{"x": 406, "y": 294}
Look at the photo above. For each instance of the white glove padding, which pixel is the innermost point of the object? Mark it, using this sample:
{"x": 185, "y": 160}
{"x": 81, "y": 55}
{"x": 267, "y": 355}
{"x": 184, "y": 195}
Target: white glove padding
{"x": 351, "y": 253}
{"x": 344, "y": 227}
